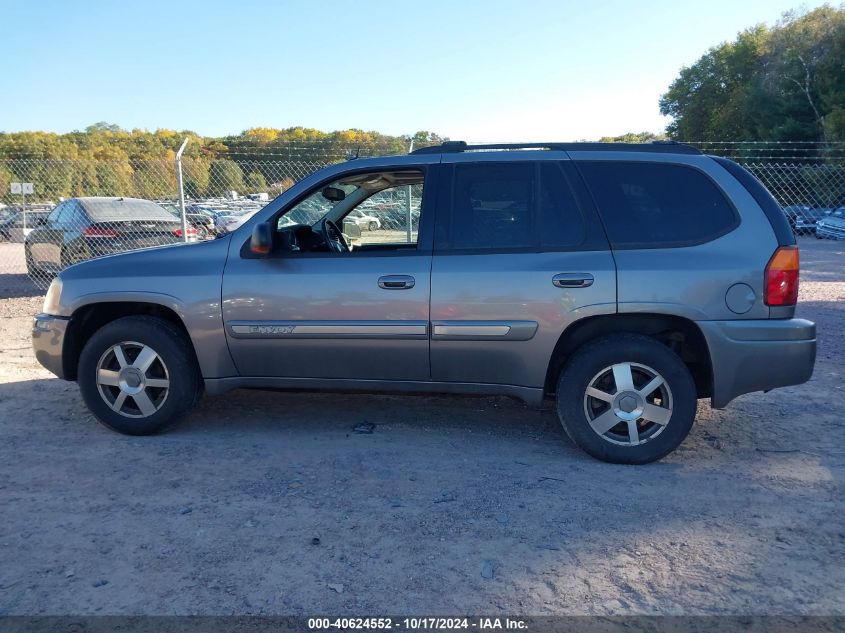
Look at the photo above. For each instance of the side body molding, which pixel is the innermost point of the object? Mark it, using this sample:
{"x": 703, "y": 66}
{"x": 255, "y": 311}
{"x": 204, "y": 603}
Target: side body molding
{"x": 483, "y": 330}
{"x": 328, "y": 329}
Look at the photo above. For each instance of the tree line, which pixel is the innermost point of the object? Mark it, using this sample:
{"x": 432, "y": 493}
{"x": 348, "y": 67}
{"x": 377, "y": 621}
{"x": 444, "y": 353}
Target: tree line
{"x": 106, "y": 160}
{"x": 779, "y": 83}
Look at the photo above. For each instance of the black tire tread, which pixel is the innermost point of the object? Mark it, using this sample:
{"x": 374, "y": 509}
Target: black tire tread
{"x": 182, "y": 363}
{"x": 633, "y": 348}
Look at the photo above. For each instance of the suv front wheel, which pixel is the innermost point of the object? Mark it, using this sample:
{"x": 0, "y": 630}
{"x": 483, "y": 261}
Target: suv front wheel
{"x": 138, "y": 374}
{"x": 626, "y": 399}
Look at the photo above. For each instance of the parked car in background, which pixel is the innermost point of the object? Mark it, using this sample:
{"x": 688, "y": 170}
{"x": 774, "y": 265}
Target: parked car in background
{"x": 802, "y": 218}
{"x": 203, "y": 223}
{"x": 365, "y": 221}
{"x": 201, "y": 220}
{"x": 12, "y": 218}
{"x": 832, "y": 226}
{"x": 228, "y": 222}
{"x": 83, "y": 228}
{"x": 630, "y": 282}
{"x": 9, "y": 219}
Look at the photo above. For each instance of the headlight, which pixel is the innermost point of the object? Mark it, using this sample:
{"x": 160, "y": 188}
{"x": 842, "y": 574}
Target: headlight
{"x": 52, "y": 302}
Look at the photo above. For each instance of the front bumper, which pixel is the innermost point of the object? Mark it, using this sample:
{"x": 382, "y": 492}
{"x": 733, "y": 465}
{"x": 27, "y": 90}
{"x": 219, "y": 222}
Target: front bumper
{"x": 758, "y": 355}
{"x": 48, "y": 336}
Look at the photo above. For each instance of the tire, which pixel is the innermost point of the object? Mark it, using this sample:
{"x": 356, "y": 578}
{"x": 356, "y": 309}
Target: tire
{"x": 373, "y": 226}
{"x": 202, "y": 232}
{"x": 174, "y": 371}
{"x": 671, "y": 403}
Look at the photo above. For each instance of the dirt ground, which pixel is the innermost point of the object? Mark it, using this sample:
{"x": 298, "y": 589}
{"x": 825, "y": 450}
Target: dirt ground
{"x": 451, "y": 506}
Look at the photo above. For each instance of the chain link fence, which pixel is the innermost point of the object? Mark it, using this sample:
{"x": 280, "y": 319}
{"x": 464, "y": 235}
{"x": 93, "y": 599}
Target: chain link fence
{"x": 80, "y": 209}
{"x": 806, "y": 178}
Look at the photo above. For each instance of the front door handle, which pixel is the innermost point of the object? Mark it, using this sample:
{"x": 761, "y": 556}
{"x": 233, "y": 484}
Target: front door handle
{"x": 573, "y": 280}
{"x": 396, "y": 282}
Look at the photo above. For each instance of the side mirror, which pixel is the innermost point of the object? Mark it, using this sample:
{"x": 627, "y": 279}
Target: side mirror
{"x": 333, "y": 194}
{"x": 261, "y": 242}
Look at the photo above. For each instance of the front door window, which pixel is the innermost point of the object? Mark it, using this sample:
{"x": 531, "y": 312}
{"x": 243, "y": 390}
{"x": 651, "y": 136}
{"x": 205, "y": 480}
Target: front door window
{"x": 370, "y": 211}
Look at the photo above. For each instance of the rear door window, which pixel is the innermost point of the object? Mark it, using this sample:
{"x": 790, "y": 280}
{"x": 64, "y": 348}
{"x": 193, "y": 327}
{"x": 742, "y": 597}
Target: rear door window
{"x": 561, "y": 222}
{"x": 492, "y": 206}
{"x": 657, "y": 205}
{"x": 511, "y": 206}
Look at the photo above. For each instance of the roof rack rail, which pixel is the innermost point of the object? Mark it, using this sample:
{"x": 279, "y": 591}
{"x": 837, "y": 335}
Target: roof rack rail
{"x": 655, "y": 147}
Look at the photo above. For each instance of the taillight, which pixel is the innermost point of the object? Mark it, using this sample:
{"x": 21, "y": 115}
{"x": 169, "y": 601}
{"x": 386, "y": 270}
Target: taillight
{"x": 96, "y": 231}
{"x": 782, "y": 277}
{"x": 191, "y": 232}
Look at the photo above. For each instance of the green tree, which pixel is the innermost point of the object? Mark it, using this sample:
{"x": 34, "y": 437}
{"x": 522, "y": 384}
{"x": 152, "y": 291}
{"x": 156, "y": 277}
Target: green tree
{"x": 154, "y": 179}
{"x": 6, "y": 178}
{"x": 804, "y": 72}
{"x": 224, "y": 175}
{"x": 256, "y": 183}
{"x": 633, "y": 137}
{"x": 712, "y": 99}
{"x": 195, "y": 172}
{"x": 781, "y": 83}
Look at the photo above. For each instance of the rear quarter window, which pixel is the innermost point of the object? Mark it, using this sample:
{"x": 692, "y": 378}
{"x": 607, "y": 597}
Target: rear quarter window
{"x": 657, "y": 205}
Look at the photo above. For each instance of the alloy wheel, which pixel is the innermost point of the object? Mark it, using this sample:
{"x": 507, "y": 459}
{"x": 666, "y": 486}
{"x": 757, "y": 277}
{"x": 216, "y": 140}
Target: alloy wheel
{"x": 628, "y": 404}
{"x": 132, "y": 379}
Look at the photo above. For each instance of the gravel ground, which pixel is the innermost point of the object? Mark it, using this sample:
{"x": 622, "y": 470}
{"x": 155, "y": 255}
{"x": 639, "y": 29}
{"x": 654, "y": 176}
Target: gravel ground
{"x": 452, "y": 505}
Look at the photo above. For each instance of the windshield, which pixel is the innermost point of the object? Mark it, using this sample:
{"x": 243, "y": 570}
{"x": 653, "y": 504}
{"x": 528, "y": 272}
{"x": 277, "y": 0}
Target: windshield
{"x": 315, "y": 207}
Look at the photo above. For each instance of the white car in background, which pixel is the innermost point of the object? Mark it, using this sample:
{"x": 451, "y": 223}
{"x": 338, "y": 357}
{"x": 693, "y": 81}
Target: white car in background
{"x": 832, "y": 226}
{"x": 228, "y": 222}
{"x": 364, "y": 220}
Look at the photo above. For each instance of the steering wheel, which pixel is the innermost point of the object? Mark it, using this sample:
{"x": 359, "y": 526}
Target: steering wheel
{"x": 333, "y": 236}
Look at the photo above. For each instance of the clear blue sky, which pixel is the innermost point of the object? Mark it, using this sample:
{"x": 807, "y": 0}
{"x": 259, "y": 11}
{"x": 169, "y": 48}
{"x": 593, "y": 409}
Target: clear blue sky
{"x": 476, "y": 70}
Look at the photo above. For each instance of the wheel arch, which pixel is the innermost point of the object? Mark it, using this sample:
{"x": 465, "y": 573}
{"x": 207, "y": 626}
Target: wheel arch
{"x": 87, "y": 319}
{"x": 680, "y": 334}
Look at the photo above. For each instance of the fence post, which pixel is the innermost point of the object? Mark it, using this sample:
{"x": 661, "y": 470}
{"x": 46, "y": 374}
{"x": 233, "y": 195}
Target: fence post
{"x": 182, "y": 189}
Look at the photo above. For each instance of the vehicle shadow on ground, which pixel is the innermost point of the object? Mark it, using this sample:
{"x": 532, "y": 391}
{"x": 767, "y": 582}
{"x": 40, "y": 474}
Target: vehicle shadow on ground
{"x": 424, "y": 424}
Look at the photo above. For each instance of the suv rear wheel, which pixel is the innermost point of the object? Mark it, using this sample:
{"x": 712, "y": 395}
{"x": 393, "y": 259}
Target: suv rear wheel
{"x": 626, "y": 399}
{"x": 138, "y": 374}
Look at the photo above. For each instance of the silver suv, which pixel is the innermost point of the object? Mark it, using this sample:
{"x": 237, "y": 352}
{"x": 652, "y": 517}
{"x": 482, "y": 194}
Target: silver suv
{"x": 627, "y": 281}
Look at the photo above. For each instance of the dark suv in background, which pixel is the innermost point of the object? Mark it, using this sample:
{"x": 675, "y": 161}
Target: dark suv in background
{"x": 625, "y": 281}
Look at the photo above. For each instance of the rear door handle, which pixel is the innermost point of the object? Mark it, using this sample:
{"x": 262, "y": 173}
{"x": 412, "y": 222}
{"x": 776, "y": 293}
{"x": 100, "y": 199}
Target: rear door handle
{"x": 396, "y": 282}
{"x": 573, "y": 280}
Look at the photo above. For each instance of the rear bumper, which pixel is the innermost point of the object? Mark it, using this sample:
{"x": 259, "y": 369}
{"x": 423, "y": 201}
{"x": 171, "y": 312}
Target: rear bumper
{"x": 758, "y": 355}
{"x": 48, "y": 336}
